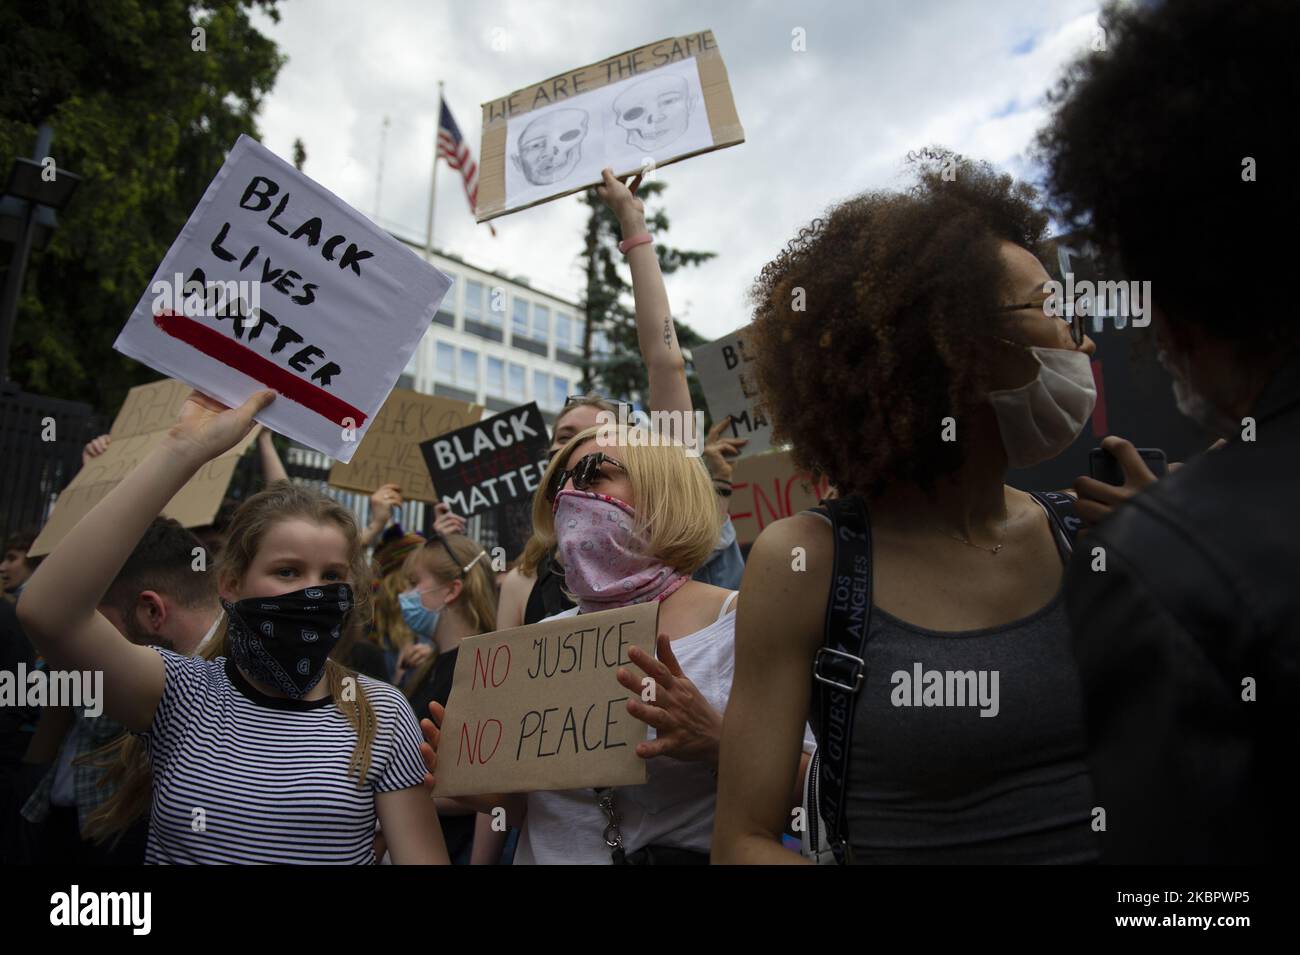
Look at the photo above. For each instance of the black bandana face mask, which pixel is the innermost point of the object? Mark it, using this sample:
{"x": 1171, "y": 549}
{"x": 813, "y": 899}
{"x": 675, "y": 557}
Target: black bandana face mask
{"x": 284, "y": 641}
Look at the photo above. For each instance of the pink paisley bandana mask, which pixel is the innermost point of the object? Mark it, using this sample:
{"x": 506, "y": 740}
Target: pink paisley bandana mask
{"x": 605, "y": 564}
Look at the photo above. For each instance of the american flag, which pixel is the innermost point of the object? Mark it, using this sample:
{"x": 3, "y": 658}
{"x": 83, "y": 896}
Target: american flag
{"x": 452, "y": 147}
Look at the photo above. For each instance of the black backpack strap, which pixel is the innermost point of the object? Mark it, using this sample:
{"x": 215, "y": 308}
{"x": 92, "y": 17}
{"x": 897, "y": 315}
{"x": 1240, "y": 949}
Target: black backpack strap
{"x": 1064, "y": 515}
{"x": 840, "y": 668}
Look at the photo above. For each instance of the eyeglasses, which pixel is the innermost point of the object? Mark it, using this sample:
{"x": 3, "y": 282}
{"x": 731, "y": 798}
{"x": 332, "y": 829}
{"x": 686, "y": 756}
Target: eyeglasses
{"x": 583, "y": 474}
{"x": 1075, "y": 319}
{"x": 452, "y": 554}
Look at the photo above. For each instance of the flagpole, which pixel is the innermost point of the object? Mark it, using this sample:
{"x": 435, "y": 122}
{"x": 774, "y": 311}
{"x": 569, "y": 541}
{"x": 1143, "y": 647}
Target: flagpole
{"x": 433, "y": 180}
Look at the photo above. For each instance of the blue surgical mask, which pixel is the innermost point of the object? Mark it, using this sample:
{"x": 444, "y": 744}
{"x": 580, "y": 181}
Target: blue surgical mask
{"x": 422, "y": 621}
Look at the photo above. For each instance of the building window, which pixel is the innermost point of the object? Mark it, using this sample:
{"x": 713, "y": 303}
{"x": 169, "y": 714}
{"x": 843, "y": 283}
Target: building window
{"x": 516, "y": 383}
{"x": 468, "y": 372}
{"x": 519, "y": 317}
{"x": 474, "y": 300}
{"x": 447, "y": 310}
{"x": 563, "y": 331}
{"x": 496, "y": 377}
{"x": 445, "y": 363}
{"x": 599, "y": 343}
{"x": 541, "y": 323}
{"x": 559, "y": 391}
{"x": 542, "y": 388}
{"x": 496, "y": 307}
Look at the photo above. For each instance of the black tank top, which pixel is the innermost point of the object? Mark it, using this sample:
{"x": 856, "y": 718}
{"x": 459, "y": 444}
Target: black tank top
{"x": 547, "y": 596}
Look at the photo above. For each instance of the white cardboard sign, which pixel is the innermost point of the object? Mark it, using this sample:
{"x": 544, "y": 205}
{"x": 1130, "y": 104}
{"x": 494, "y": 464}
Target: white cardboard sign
{"x": 726, "y": 372}
{"x": 275, "y": 282}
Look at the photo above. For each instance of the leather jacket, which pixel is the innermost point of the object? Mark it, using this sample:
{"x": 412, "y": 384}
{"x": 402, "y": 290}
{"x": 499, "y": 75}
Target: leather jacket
{"x": 1188, "y": 645}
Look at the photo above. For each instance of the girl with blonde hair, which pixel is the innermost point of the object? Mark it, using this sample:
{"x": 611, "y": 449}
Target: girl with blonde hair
{"x": 269, "y": 751}
{"x": 451, "y": 595}
{"x": 630, "y": 518}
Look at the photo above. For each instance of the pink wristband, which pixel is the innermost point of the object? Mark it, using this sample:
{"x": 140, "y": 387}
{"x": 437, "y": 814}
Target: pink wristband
{"x": 628, "y": 244}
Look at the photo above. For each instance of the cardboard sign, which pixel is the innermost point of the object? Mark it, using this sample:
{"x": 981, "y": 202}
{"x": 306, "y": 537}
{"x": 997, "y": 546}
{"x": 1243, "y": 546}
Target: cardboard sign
{"x": 489, "y": 464}
{"x": 648, "y": 107}
{"x": 539, "y": 707}
{"x": 767, "y": 488}
{"x": 277, "y": 283}
{"x": 390, "y": 452}
{"x": 726, "y": 372}
{"x": 140, "y": 426}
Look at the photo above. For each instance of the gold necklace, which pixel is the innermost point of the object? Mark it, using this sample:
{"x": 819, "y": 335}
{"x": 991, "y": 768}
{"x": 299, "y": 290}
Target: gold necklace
{"x": 992, "y": 550}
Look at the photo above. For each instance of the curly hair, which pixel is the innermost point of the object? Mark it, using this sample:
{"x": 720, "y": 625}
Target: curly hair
{"x": 868, "y": 323}
{"x": 1149, "y": 143}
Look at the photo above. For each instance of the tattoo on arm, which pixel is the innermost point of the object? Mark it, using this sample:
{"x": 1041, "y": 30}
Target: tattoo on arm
{"x": 668, "y": 332}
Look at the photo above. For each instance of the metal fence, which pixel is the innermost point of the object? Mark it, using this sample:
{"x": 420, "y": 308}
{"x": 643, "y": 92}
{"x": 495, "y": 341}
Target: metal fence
{"x": 40, "y": 451}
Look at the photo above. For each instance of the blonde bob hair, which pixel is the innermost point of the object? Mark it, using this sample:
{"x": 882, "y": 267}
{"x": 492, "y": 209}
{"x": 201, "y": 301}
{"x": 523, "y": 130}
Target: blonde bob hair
{"x": 675, "y": 504}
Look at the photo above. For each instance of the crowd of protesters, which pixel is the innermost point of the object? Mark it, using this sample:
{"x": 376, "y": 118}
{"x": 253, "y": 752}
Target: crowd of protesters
{"x": 285, "y": 706}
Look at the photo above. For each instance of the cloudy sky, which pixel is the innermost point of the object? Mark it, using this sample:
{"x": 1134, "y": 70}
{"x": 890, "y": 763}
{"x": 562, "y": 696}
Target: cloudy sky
{"x": 877, "y": 78}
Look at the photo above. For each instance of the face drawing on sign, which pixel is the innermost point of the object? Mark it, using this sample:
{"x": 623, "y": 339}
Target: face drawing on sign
{"x": 550, "y": 146}
{"x": 654, "y": 112}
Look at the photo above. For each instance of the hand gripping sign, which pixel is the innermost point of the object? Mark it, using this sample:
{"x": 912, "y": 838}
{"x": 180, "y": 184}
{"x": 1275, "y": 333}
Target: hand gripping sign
{"x": 540, "y": 707}
{"x": 274, "y": 282}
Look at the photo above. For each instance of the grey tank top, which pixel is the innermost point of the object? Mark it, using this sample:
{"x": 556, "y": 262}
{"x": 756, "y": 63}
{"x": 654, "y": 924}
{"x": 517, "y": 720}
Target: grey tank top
{"x": 933, "y": 781}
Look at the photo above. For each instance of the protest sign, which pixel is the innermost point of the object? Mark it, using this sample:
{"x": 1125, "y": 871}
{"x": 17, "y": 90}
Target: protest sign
{"x": 540, "y": 707}
{"x": 141, "y": 426}
{"x": 657, "y": 104}
{"x": 489, "y": 464}
{"x": 767, "y": 488}
{"x": 274, "y": 282}
{"x": 726, "y": 372}
{"x": 390, "y": 452}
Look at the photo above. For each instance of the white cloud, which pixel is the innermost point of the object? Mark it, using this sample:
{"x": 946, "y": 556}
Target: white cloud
{"x": 875, "y": 81}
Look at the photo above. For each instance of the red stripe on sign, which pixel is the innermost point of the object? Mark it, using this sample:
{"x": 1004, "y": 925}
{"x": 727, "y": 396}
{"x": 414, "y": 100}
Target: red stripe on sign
{"x": 1099, "y": 410}
{"x": 248, "y": 362}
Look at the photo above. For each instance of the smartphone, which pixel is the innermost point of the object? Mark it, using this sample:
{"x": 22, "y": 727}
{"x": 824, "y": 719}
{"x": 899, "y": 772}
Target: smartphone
{"x": 1104, "y": 466}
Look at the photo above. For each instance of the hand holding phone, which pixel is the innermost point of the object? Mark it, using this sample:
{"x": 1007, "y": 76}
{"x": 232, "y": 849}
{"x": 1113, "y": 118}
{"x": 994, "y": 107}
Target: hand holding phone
{"x": 1117, "y": 471}
{"x": 1106, "y": 467}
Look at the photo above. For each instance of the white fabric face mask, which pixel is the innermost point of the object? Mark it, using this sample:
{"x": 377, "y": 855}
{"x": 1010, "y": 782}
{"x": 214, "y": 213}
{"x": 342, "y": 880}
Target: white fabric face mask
{"x": 1041, "y": 419}
{"x": 1191, "y": 403}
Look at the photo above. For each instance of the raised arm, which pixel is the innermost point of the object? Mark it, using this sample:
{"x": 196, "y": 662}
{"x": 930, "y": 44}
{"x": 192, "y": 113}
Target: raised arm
{"x": 272, "y": 467}
{"x": 382, "y": 503}
{"x": 778, "y": 630}
{"x": 656, "y": 335}
{"x": 57, "y": 608}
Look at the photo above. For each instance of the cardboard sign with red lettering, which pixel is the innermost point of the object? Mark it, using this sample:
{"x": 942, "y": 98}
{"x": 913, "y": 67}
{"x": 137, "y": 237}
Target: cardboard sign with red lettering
{"x": 540, "y": 708}
{"x": 390, "y": 452}
{"x": 485, "y": 466}
{"x": 767, "y": 488}
{"x": 141, "y": 426}
{"x": 275, "y": 282}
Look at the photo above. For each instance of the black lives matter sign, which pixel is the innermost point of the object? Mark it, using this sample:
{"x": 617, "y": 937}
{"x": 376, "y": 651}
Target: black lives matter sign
{"x": 485, "y": 466}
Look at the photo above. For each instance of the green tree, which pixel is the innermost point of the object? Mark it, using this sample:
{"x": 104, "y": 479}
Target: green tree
{"x": 622, "y": 373}
{"x": 145, "y": 97}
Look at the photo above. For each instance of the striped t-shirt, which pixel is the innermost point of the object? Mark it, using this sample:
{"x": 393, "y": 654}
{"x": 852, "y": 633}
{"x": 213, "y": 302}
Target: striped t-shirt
{"x": 241, "y": 777}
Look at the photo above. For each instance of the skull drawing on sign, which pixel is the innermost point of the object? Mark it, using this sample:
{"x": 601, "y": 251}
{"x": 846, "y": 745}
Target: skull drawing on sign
{"x": 654, "y": 112}
{"x": 551, "y": 145}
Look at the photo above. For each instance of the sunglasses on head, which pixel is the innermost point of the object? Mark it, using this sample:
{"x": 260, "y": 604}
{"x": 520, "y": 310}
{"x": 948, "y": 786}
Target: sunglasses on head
{"x": 583, "y": 474}
{"x": 580, "y": 399}
{"x": 452, "y": 554}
